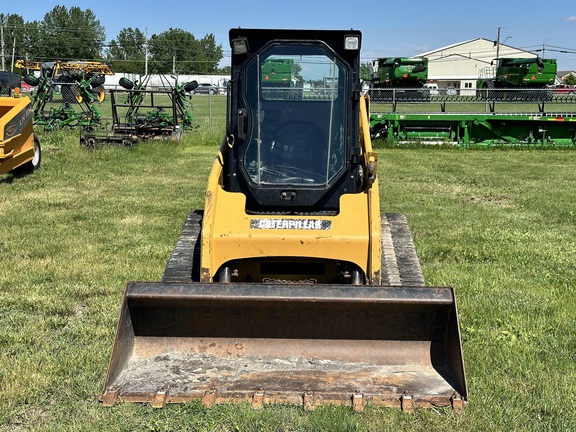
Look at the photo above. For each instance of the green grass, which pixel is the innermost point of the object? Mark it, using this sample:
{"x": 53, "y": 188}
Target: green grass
{"x": 497, "y": 225}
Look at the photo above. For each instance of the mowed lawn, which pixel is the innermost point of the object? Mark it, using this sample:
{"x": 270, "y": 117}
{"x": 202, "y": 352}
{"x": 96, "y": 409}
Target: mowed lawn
{"x": 497, "y": 225}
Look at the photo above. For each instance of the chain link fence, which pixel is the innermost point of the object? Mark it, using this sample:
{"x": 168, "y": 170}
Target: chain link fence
{"x": 209, "y": 109}
{"x": 473, "y": 101}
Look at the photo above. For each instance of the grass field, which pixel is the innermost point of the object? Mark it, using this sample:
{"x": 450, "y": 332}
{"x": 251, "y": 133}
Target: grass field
{"x": 497, "y": 225}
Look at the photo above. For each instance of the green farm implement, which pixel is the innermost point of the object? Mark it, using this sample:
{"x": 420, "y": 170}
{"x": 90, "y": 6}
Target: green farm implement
{"x": 140, "y": 113}
{"x": 529, "y": 115}
{"x": 63, "y": 85}
{"x": 468, "y": 130}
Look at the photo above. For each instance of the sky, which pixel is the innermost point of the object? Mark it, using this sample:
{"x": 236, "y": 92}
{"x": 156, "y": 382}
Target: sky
{"x": 389, "y": 28}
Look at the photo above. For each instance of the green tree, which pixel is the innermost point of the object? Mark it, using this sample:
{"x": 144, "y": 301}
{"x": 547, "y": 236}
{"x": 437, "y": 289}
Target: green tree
{"x": 13, "y": 33}
{"x": 210, "y": 55}
{"x": 178, "y": 51}
{"x": 365, "y": 72}
{"x": 71, "y": 34}
{"x": 31, "y": 47}
{"x": 127, "y": 52}
{"x": 172, "y": 51}
{"x": 570, "y": 79}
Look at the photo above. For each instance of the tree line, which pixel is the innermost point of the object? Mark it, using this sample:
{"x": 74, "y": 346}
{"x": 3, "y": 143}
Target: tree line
{"x": 76, "y": 34}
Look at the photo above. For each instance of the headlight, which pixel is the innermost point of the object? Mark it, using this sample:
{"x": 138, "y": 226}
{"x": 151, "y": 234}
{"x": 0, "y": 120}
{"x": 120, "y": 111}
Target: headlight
{"x": 352, "y": 42}
{"x": 240, "y": 46}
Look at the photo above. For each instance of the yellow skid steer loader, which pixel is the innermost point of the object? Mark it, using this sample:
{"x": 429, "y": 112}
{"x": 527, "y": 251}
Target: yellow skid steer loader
{"x": 290, "y": 286}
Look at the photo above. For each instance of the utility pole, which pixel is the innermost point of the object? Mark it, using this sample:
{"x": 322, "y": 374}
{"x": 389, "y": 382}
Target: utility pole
{"x": 13, "y": 54}
{"x": 498, "y": 44}
{"x": 2, "y": 40}
{"x": 146, "y": 54}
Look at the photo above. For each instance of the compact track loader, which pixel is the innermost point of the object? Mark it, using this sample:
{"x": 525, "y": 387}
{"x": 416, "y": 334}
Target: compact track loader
{"x": 290, "y": 286}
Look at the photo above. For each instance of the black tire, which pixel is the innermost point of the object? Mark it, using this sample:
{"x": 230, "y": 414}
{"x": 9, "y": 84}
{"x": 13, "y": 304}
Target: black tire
{"x": 31, "y": 80}
{"x": 190, "y": 86}
{"x": 98, "y": 81}
{"x": 126, "y": 83}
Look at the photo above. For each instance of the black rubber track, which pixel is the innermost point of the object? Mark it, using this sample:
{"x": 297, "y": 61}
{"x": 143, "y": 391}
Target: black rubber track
{"x": 184, "y": 262}
{"x": 400, "y": 265}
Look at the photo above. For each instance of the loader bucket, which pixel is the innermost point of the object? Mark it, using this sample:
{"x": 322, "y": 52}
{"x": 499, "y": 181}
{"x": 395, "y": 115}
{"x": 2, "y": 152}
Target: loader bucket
{"x": 302, "y": 344}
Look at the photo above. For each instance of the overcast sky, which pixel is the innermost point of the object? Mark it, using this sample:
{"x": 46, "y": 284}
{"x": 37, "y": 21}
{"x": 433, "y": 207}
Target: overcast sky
{"x": 390, "y": 28}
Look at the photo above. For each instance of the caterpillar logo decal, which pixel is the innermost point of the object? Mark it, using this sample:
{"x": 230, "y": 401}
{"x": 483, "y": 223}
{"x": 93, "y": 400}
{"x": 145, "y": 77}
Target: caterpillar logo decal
{"x": 291, "y": 224}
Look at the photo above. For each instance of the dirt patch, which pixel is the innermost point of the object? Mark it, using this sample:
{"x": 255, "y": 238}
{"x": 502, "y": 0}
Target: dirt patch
{"x": 498, "y": 200}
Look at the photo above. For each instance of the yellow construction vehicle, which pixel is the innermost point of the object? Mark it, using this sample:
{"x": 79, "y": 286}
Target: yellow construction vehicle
{"x": 290, "y": 286}
{"x": 19, "y": 147}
